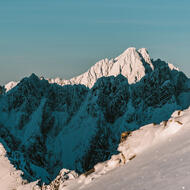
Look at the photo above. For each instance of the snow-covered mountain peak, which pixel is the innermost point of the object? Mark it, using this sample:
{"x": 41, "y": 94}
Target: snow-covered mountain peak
{"x": 133, "y": 54}
{"x": 129, "y": 53}
{"x": 10, "y": 85}
{"x": 132, "y": 63}
{"x": 172, "y": 67}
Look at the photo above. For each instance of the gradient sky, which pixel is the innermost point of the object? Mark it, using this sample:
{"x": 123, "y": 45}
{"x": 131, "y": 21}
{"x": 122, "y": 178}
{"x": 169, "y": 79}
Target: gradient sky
{"x": 65, "y": 37}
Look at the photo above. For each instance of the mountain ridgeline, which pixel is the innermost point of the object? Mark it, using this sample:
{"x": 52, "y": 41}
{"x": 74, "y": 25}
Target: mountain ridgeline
{"x": 47, "y": 125}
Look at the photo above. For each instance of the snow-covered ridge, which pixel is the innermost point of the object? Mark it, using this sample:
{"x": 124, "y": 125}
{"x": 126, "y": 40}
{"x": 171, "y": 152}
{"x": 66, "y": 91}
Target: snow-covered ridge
{"x": 163, "y": 163}
{"x": 10, "y": 85}
{"x": 131, "y": 146}
{"x": 132, "y": 63}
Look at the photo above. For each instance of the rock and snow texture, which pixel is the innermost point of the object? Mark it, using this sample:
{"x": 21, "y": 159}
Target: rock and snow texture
{"x": 10, "y": 85}
{"x": 153, "y": 157}
{"x": 48, "y": 127}
{"x": 161, "y": 162}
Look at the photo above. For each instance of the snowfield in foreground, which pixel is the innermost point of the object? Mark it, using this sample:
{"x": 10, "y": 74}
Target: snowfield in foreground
{"x": 163, "y": 165}
{"x": 153, "y": 157}
{"x": 10, "y": 178}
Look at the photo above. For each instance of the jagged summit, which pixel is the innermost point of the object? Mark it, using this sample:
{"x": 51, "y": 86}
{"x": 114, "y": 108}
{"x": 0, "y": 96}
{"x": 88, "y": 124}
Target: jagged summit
{"x": 127, "y": 52}
{"x": 132, "y": 53}
{"x": 132, "y": 63}
{"x": 33, "y": 76}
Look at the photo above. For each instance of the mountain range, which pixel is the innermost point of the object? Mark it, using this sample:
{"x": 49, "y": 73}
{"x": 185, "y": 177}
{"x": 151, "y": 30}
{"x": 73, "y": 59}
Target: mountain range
{"x": 50, "y": 124}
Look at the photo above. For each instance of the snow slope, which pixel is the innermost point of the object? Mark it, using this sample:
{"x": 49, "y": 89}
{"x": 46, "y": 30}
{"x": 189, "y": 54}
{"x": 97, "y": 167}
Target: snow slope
{"x": 161, "y": 161}
{"x": 10, "y": 85}
{"x": 10, "y": 178}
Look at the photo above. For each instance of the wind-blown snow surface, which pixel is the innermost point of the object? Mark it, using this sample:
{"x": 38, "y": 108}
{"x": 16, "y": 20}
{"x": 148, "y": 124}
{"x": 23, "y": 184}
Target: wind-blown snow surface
{"x": 47, "y": 127}
{"x": 10, "y": 178}
{"x": 161, "y": 161}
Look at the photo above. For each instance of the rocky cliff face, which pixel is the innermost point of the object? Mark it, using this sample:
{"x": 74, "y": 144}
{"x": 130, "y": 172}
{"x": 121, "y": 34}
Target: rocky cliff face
{"x": 48, "y": 126}
{"x": 1, "y": 90}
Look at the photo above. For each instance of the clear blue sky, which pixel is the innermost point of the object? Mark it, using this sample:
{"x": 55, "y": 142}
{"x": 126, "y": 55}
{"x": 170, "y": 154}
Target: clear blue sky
{"x": 65, "y": 37}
